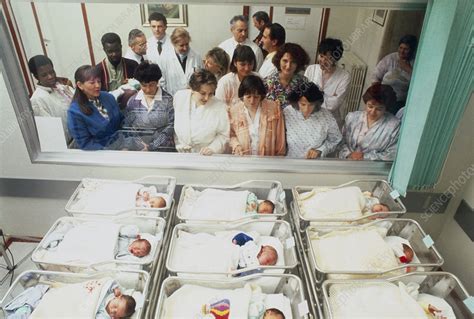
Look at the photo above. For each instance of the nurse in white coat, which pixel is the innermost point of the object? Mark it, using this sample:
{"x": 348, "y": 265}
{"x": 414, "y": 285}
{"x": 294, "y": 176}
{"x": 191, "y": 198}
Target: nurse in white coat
{"x": 201, "y": 123}
{"x": 331, "y": 79}
{"x": 178, "y": 65}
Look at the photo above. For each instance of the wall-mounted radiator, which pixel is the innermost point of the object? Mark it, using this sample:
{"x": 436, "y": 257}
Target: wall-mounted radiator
{"x": 358, "y": 69}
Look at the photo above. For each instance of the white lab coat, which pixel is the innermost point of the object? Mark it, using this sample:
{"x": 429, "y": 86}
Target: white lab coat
{"x": 174, "y": 79}
{"x": 152, "y": 48}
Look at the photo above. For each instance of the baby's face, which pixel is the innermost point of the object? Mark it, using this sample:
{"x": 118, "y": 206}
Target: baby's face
{"x": 138, "y": 248}
{"x": 265, "y": 208}
{"x": 116, "y": 308}
{"x": 157, "y": 202}
{"x": 267, "y": 256}
{"x": 377, "y": 208}
{"x": 408, "y": 252}
{"x": 272, "y": 315}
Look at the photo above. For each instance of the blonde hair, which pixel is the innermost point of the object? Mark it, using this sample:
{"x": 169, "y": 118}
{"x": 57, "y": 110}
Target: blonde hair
{"x": 179, "y": 33}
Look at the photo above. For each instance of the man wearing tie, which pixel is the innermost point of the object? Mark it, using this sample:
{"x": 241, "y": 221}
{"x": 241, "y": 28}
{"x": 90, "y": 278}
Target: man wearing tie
{"x": 136, "y": 46}
{"x": 159, "y": 43}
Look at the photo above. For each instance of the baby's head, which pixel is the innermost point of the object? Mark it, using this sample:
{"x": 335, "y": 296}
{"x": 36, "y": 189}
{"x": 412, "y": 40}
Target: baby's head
{"x": 408, "y": 254}
{"x": 267, "y": 256}
{"x": 121, "y": 306}
{"x": 140, "y": 247}
{"x": 265, "y": 207}
{"x": 157, "y": 202}
{"x": 273, "y": 313}
{"x": 379, "y": 208}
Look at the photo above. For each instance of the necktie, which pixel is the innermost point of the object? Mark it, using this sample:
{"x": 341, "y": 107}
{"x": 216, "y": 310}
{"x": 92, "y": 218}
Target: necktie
{"x": 160, "y": 47}
{"x": 142, "y": 59}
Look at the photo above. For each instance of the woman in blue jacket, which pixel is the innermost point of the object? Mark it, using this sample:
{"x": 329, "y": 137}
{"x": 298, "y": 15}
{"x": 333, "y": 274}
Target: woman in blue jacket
{"x": 94, "y": 116}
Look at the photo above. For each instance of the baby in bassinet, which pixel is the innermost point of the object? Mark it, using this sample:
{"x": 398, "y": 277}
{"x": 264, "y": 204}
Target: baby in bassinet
{"x": 147, "y": 197}
{"x": 51, "y": 300}
{"x": 252, "y": 255}
{"x": 130, "y": 242}
{"x": 115, "y": 305}
{"x": 253, "y": 206}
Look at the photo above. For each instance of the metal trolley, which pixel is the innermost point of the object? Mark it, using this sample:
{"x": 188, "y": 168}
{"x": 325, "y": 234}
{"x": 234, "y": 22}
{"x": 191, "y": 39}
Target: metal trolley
{"x": 429, "y": 257}
{"x": 440, "y": 284}
{"x": 378, "y": 188}
{"x": 152, "y": 225}
{"x": 271, "y": 190}
{"x": 163, "y": 184}
{"x": 288, "y": 285}
{"x": 127, "y": 279}
{"x": 279, "y": 229}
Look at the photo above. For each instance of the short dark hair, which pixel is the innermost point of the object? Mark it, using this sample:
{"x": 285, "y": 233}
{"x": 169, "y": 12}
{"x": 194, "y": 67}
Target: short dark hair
{"x": 110, "y": 37}
{"x": 298, "y": 54}
{"x": 243, "y": 53}
{"x": 147, "y": 72}
{"x": 133, "y": 34}
{"x": 38, "y": 61}
{"x": 311, "y": 92}
{"x": 261, "y": 16}
{"x": 238, "y": 18}
{"x": 383, "y": 94}
{"x": 277, "y": 32}
{"x": 274, "y": 311}
{"x": 412, "y": 42}
{"x": 201, "y": 77}
{"x": 252, "y": 84}
{"x": 130, "y": 305}
{"x": 156, "y": 16}
{"x": 333, "y": 46}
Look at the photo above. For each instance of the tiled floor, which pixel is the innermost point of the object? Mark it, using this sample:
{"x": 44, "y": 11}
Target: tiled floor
{"x": 19, "y": 251}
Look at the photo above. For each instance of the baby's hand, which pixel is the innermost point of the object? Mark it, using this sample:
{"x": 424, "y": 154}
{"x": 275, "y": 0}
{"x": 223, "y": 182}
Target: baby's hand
{"x": 117, "y": 292}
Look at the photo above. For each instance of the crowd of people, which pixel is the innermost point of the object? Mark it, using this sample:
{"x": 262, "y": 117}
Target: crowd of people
{"x": 245, "y": 97}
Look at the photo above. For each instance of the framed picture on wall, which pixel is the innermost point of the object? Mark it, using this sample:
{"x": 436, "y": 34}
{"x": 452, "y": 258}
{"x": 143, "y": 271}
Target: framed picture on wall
{"x": 379, "y": 17}
{"x": 176, "y": 14}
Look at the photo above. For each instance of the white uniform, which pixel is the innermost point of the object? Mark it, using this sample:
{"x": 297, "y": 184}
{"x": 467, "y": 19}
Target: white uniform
{"x": 267, "y": 68}
{"x": 135, "y": 57}
{"x": 174, "y": 78}
{"x": 229, "y": 46}
{"x": 152, "y": 48}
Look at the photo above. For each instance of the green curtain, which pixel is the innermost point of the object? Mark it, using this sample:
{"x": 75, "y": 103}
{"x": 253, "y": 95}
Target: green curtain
{"x": 443, "y": 82}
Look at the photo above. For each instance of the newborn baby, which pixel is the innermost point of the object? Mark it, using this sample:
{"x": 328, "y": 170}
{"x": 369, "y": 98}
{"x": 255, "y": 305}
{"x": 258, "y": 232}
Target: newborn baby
{"x": 147, "y": 197}
{"x": 130, "y": 242}
{"x": 253, "y": 206}
{"x": 251, "y": 255}
{"x": 402, "y": 250}
{"x": 115, "y": 305}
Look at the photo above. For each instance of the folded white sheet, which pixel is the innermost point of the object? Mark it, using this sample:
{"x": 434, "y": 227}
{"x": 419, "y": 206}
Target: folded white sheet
{"x": 373, "y": 301}
{"x": 214, "y": 204}
{"x": 345, "y": 202}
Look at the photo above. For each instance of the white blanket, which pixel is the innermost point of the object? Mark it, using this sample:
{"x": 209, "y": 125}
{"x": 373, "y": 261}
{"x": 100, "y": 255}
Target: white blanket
{"x": 87, "y": 243}
{"x": 345, "y": 202}
{"x": 354, "y": 250}
{"x": 106, "y": 198}
{"x": 373, "y": 301}
{"x": 203, "y": 252}
{"x": 79, "y": 300}
{"x": 214, "y": 204}
{"x": 188, "y": 302}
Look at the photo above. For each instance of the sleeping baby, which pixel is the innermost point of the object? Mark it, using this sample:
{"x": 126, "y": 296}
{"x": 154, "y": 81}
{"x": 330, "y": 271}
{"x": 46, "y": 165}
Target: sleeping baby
{"x": 131, "y": 243}
{"x": 116, "y": 305}
{"x": 251, "y": 255}
{"x": 253, "y": 206}
{"x": 147, "y": 197}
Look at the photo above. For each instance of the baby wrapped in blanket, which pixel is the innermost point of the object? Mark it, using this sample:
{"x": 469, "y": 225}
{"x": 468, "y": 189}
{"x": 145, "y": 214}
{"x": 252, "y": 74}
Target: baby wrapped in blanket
{"x": 345, "y": 202}
{"x": 98, "y": 298}
{"x": 364, "y": 249}
{"x": 107, "y": 197}
{"x": 217, "y": 204}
